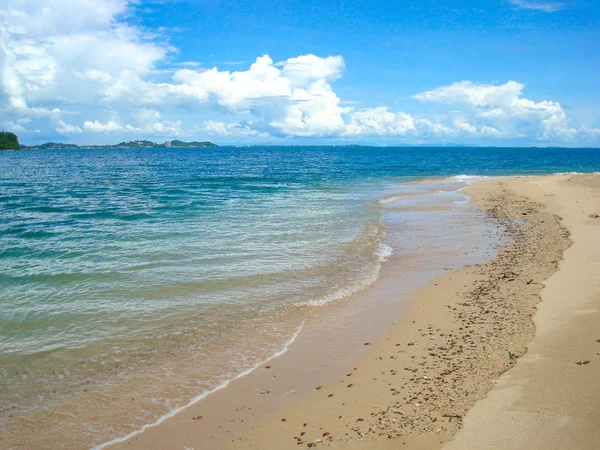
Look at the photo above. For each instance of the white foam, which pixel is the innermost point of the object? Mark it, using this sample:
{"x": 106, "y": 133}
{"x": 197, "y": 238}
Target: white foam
{"x": 393, "y": 198}
{"x": 199, "y": 397}
{"x": 576, "y": 173}
{"x": 383, "y": 253}
{"x": 469, "y": 179}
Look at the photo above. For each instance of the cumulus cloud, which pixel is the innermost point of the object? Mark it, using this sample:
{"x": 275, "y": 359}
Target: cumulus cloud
{"x": 235, "y": 129}
{"x": 12, "y": 126}
{"x": 307, "y": 68}
{"x": 64, "y": 128}
{"x": 505, "y": 109}
{"x": 44, "y": 52}
{"x": 66, "y": 52}
{"x": 290, "y": 98}
{"x": 379, "y": 121}
{"x": 97, "y": 127}
{"x": 95, "y": 75}
{"x": 154, "y": 128}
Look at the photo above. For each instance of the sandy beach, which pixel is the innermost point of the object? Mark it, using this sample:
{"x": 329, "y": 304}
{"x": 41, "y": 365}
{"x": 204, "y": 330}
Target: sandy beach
{"x": 439, "y": 374}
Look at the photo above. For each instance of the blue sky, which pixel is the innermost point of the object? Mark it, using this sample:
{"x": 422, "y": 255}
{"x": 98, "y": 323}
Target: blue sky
{"x": 503, "y": 72}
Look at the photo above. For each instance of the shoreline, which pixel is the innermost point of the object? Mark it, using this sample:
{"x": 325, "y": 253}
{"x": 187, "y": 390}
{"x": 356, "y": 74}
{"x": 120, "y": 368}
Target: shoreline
{"x": 484, "y": 317}
{"x": 457, "y": 336}
{"x": 550, "y": 399}
{"x": 407, "y": 388}
{"x": 337, "y": 323}
{"x": 420, "y": 368}
{"x": 120, "y": 402}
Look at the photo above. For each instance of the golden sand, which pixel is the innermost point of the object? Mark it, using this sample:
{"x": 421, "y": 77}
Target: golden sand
{"x": 439, "y": 377}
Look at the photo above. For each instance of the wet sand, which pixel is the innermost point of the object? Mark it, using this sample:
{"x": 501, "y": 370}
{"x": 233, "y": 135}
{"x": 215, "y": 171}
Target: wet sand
{"x": 412, "y": 381}
{"x": 333, "y": 337}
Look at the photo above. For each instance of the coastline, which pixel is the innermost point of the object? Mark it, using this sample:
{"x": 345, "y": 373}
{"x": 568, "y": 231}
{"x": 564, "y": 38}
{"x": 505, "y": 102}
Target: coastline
{"x": 411, "y": 391}
{"x": 407, "y": 360}
{"x": 335, "y": 333}
{"x": 550, "y": 399}
{"x": 415, "y": 384}
{"x": 446, "y": 352}
{"x": 423, "y": 253}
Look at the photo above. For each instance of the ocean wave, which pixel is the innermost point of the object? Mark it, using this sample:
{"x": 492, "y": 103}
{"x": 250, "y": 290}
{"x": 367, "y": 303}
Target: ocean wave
{"x": 202, "y": 395}
{"x": 394, "y": 197}
{"x": 576, "y": 173}
{"x": 382, "y": 254}
{"x": 469, "y": 179}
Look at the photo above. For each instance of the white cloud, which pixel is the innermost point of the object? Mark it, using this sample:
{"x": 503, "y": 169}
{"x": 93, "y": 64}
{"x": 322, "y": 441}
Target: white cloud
{"x": 538, "y": 5}
{"x": 154, "y": 128}
{"x": 95, "y": 74}
{"x": 503, "y": 108}
{"x": 379, "y": 122}
{"x": 236, "y": 90}
{"x": 98, "y": 127}
{"x": 189, "y": 64}
{"x": 12, "y": 126}
{"x": 591, "y": 132}
{"x": 308, "y": 68}
{"x": 166, "y": 128}
{"x": 223, "y": 129}
{"x": 468, "y": 93}
{"x": 145, "y": 115}
{"x": 308, "y": 111}
{"x": 300, "y": 104}
{"x": 40, "y": 18}
{"x": 67, "y": 52}
{"x": 65, "y": 128}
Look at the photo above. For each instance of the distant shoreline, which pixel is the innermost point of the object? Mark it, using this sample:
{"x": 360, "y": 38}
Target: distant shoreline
{"x": 208, "y": 144}
{"x": 126, "y": 144}
{"x": 445, "y": 354}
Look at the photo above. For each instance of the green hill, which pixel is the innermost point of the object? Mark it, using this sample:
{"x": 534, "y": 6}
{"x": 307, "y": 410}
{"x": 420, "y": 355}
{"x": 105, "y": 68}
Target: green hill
{"x": 8, "y": 141}
{"x": 136, "y": 144}
{"x": 126, "y": 144}
{"x": 54, "y": 145}
{"x": 193, "y": 144}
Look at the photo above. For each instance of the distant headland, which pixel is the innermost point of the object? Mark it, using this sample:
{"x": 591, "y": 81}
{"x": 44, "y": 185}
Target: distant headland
{"x": 9, "y": 141}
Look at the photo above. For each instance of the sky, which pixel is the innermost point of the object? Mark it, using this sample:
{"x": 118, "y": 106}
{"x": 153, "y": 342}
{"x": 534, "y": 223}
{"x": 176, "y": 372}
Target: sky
{"x": 302, "y": 72}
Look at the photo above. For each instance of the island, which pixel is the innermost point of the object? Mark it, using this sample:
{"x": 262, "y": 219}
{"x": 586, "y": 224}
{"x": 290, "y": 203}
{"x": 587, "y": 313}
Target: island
{"x": 10, "y": 141}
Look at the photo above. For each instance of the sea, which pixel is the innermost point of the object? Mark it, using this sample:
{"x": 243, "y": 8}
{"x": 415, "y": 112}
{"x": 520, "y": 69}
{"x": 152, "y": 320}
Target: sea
{"x": 151, "y": 277}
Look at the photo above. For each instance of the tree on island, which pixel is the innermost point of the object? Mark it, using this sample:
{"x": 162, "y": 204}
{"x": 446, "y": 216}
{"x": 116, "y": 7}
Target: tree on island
{"x": 8, "y": 141}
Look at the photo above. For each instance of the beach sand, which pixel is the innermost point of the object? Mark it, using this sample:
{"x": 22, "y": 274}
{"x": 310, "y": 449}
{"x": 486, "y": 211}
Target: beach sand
{"x": 439, "y": 376}
{"x": 551, "y": 399}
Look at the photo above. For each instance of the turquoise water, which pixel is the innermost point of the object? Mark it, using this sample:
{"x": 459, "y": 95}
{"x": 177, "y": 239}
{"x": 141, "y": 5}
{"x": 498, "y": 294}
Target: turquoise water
{"x": 119, "y": 267}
